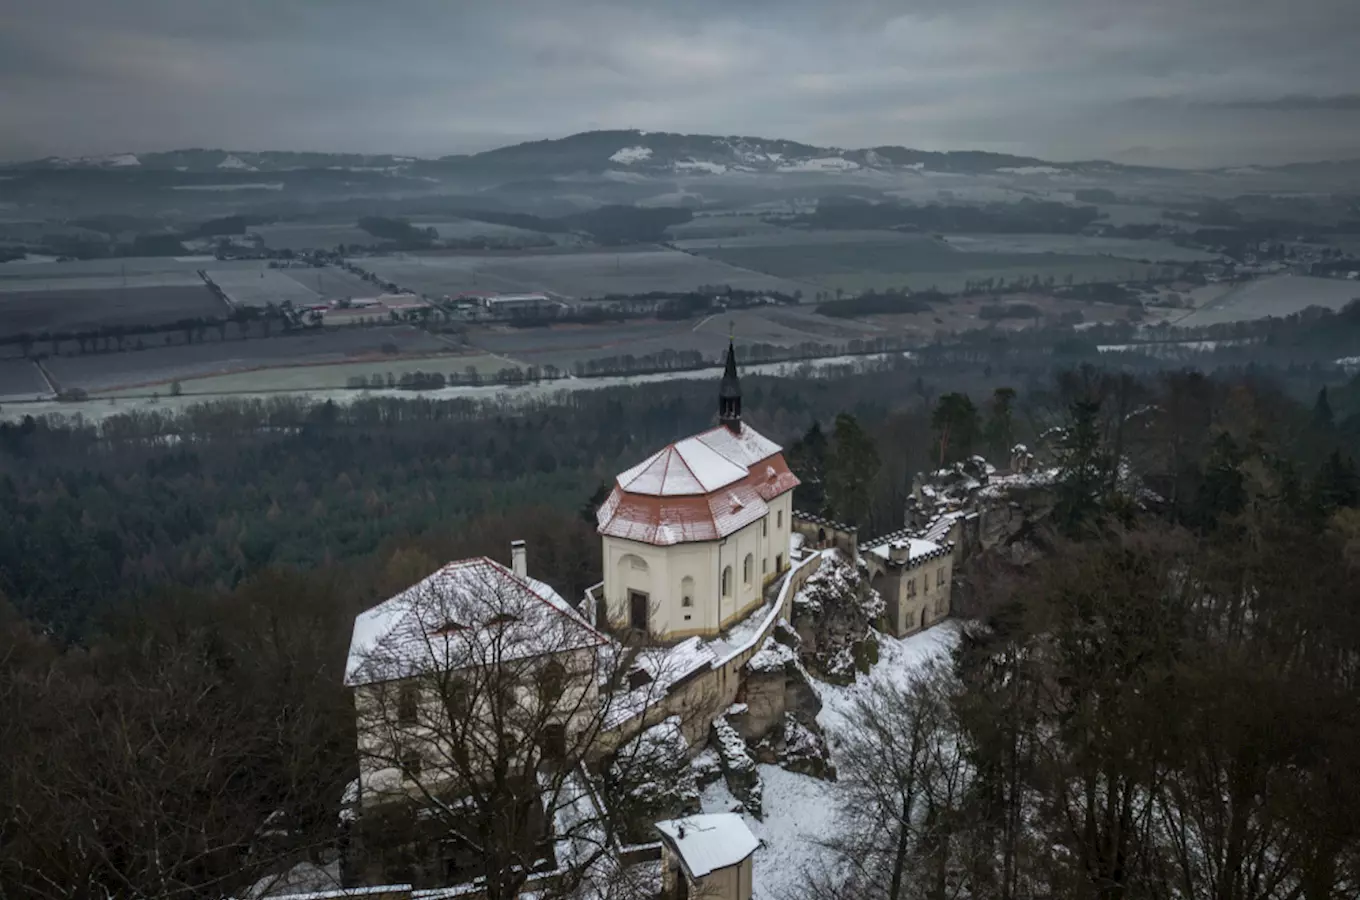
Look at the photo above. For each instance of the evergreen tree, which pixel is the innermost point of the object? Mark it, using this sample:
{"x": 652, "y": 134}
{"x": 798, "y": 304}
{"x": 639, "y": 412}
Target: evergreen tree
{"x": 955, "y": 422}
{"x": 1337, "y": 485}
{"x": 1222, "y": 492}
{"x": 1084, "y": 470}
{"x": 808, "y": 459}
{"x": 999, "y": 434}
{"x": 852, "y": 469}
{"x": 1322, "y": 412}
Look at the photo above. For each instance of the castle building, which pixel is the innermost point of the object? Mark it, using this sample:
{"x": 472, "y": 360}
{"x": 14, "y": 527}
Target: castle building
{"x": 693, "y": 533}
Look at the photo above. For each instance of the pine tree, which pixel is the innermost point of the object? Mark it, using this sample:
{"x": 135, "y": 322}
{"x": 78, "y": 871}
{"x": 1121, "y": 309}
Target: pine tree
{"x": 1000, "y": 431}
{"x": 955, "y": 421}
{"x": 808, "y": 459}
{"x": 851, "y": 469}
{"x": 1322, "y": 412}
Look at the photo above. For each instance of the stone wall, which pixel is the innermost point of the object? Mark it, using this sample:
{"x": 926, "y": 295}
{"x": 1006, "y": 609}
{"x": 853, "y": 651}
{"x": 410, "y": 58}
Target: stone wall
{"x": 823, "y": 534}
{"x": 704, "y": 697}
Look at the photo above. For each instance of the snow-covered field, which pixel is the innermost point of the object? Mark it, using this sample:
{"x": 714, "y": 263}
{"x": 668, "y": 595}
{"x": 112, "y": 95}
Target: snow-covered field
{"x": 1277, "y": 295}
{"x": 801, "y": 810}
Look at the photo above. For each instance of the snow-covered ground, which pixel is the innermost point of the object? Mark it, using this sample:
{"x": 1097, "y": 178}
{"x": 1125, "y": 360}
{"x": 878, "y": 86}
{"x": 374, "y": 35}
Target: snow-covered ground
{"x": 691, "y": 165}
{"x": 823, "y": 164}
{"x": 630, "y": 155}
{"x": 304, "y": 878}
{"x": 800, "y": 810}
{"x": 235, "y": 162}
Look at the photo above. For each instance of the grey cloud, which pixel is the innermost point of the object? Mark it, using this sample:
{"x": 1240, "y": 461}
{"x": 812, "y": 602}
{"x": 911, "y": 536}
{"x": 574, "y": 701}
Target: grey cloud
{"x": 1058, "y": 78}
{"x": 1349, "y": 102}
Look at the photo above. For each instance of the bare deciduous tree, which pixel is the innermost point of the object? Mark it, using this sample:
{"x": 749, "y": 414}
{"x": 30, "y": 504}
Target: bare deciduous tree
{"x": 481, "y": 699}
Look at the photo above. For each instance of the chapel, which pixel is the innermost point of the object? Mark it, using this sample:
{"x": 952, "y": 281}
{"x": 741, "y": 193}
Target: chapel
{"x": 694, "y": 532}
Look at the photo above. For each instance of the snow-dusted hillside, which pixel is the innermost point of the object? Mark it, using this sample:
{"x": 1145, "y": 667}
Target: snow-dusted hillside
{"x": 799, "y": 810}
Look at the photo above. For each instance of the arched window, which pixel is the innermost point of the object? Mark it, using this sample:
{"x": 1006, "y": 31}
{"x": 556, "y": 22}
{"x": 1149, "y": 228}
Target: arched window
{"x": 821, "y": 535}
{"x": 727, "y": 581}
{"x": 748, "y": 567}
{"x": 687, "y": 591}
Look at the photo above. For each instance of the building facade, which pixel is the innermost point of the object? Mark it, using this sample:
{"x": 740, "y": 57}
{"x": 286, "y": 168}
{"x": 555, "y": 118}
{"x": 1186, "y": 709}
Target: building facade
{"x": 915, "y": 578}
{"x": 693, "y": 534}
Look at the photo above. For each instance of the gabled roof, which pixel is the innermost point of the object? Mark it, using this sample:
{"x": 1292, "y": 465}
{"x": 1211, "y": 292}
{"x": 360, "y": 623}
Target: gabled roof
{"x": 702, "y": 488}
{"x": 470, "y": 612}
{"x": 704, "y": 844}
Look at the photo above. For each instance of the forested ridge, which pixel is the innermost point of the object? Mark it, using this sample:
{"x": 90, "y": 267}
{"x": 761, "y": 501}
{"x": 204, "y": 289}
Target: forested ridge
{"x": 178, "y": 595}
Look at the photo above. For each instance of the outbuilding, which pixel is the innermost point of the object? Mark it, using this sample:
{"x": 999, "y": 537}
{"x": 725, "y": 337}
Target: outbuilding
{"x": 707, "y": 856}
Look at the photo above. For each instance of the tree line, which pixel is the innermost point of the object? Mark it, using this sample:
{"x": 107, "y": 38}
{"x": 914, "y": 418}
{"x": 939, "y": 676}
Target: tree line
{"x": 1164, "y": 704}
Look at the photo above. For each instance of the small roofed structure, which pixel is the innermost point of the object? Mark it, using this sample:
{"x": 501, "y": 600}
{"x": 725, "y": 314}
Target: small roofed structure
{"x": 707, "y": 856}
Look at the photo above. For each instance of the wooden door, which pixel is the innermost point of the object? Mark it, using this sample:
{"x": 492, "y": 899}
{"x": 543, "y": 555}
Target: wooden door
{"x": 639, "y": 606}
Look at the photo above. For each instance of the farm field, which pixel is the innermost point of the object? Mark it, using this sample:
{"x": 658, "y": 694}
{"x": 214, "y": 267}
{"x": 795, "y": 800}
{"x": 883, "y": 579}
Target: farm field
{"x": 963, "y": 314}
{"x": 1276, "y": 295}
{"x": 917, "y": 262}
{"x": 98, "y": 282}
{"x": 330, "y": 376}
{"x": 100, "y": 372}
{"x": 570, "y": 274}
{"x": 1123, "y": 248}
{"x": 331, "y": 282}
{"x": 76, "y": 309}
{"x": 701, "y": 227}
{"x": 21, "y": 380}
{"x": 311, "y": 235}
{"x": 800, "y": 237}
{"x": 246, "y": 287}
{"x": 466, "y": 229}
{"x": 110, "y": 272}
{"x": 564, "y": 346}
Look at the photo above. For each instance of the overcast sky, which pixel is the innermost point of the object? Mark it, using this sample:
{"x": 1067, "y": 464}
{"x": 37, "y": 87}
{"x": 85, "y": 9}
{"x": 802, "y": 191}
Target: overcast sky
{"x": 1180, "y": 82}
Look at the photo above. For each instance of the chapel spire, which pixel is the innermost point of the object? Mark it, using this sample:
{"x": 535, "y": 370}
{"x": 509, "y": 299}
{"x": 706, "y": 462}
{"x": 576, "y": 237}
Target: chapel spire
{"x": 729, "y": 393}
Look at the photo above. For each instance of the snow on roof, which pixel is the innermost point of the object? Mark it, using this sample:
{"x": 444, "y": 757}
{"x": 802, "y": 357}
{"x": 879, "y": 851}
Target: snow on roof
{"x": 745, "y": 448}
{"x": 702, "y": 488}
{"x": 472, "y": 611}
{"x": 685, "y": 467}
{"x": 666, "y": 666}
{"x": 917, "y": 549}
{"x": 706, "y": 843}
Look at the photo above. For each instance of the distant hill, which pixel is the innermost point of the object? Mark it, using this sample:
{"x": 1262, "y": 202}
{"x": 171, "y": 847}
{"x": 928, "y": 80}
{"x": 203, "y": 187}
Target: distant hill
{"x": 641, "y": 152}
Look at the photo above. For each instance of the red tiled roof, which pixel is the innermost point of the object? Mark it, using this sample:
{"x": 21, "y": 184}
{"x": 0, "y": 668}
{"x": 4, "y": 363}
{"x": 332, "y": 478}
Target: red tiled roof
{"x": 700, "y": 489}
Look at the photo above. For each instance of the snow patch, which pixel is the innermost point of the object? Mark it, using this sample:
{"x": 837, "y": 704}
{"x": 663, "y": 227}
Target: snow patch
{"x": 1030, "y": 170}
{"x": 629, "y": 155}
{"x": 821, "y": 164}
{"x": 122, "y": 160}
{"x": 235, "y": 162}
{"x": 694, "y": 165}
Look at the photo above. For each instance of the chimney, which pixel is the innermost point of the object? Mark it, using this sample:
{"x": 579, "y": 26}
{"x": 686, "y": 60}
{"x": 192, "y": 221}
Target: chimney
{"x": 518, "y": 559}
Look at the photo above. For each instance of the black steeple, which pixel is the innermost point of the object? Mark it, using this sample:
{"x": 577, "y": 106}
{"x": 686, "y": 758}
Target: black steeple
{"x": 729, "y": 393}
